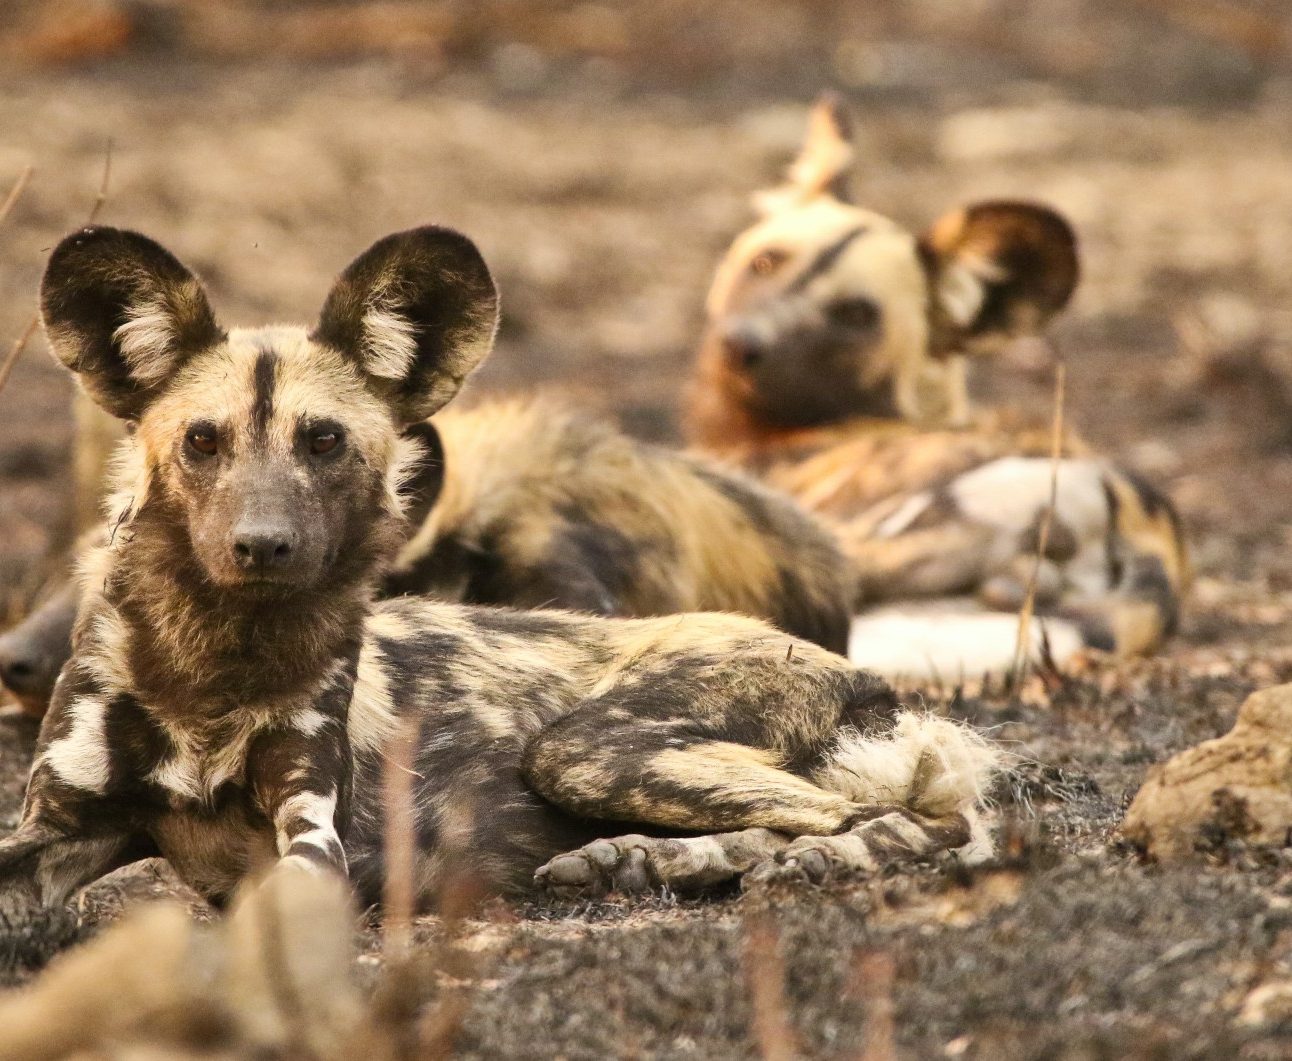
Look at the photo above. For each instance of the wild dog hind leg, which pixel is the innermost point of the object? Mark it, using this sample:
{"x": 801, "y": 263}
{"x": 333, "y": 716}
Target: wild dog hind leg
{"x": 713, "y": 746}
{"x": 917, "y": 785}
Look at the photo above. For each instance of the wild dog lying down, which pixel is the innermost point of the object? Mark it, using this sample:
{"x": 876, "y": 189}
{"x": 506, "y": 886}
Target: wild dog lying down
{"x": 533, "y": 503}
{"x": 233, "y": 687}
{"x": 834, "y": 365}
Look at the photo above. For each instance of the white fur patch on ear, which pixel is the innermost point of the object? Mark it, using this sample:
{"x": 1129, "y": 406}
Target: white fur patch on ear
{"x": 930, "y": 764}
{"x": 147, "y": 339}
{"x": 962, "y": 287}
{"x": 390, "y": 339}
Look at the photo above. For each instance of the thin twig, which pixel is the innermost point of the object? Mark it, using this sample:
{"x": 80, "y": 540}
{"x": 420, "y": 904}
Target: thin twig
{"x": 765, "y": 970}
{"x": 400, "y": 855}
{"x": 20, "y": 343}
{"x": 1022, "y": 655}
{"x": 102, "y": 197}
{"x": 15, "y": 191}
{"x": 16, "y": 350}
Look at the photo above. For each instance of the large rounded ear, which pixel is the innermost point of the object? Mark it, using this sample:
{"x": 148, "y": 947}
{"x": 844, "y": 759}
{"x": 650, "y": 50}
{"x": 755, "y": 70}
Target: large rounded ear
{"x": 416, "y": 311}
{"x": 997, "y": 270}
{"x": 122, "y": 313}
{"x": 822, "y": 165}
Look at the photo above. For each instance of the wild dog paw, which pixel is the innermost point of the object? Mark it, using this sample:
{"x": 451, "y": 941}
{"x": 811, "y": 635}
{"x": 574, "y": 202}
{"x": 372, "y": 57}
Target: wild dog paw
{"x": 808, "y": 860}
{"x": 620, "y": 865}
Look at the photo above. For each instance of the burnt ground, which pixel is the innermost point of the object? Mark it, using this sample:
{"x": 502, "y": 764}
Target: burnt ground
{"x": 603, "y": 168}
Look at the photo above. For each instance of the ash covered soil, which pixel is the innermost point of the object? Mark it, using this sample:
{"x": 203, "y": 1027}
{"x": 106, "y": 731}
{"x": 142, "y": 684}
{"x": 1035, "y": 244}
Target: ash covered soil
{"x": 603, "y": 203}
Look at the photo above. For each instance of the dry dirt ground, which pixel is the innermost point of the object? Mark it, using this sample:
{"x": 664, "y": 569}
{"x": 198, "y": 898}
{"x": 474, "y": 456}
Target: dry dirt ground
{"x": 603, "y": 184}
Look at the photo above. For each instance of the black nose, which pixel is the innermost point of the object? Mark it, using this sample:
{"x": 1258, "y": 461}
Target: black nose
{"x": 262, "y": 548}
{"x": 745, "y": 349}
{"x": 20, "y": 666}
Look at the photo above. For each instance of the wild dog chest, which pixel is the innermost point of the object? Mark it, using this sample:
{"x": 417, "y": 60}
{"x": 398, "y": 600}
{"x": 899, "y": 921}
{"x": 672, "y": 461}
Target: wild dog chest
{"x": 215, "y": 791}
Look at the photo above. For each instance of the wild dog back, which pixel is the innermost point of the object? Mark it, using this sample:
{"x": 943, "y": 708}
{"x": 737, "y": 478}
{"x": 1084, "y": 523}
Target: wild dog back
{"x": 545, "y": 505}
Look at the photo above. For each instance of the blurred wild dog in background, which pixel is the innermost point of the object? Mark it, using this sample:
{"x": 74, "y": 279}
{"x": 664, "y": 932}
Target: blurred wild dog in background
{"x": 834, "y": 366}
{"x": 234, "y": 690}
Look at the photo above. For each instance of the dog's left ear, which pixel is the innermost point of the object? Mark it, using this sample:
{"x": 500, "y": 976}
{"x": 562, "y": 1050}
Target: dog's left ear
{"x": 822, "y": 165}
{"x": 416, "y": 312}
{"x": 997, "y": 270}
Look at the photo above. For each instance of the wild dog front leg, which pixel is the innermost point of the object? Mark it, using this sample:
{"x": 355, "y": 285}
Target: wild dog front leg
{"x": 79, "y": 820}
{"x": 69, "y": 836}
{"x": 300, "y": 777}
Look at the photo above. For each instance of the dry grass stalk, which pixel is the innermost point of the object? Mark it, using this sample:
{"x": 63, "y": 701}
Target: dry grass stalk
{"x": 15, "y": 351}
{"x": 765, "y": 970}
{"x": 398, "y": 897}
{"x": 15, "y": 191}
{"x": 873, "y": 984}
{"x": 1022, "y": 655}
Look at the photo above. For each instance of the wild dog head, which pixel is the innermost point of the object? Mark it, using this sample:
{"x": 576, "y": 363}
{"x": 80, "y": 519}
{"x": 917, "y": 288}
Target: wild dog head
{"x": 269, "y": 459}
{"x": 824, "y": 310}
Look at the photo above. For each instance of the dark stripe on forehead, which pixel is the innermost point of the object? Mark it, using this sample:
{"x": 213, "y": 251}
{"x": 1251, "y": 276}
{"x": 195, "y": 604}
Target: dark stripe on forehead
{"x": 262, "y": 405}
{"x": 826, "y": 259}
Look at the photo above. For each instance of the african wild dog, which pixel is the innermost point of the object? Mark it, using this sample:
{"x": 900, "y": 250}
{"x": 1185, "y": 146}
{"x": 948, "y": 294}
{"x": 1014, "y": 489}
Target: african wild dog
{"x": 233, "y": 687}
{"x": 543, "y": 505}
{"x": 534, "y": 503}
{"x": 834, "y": 366}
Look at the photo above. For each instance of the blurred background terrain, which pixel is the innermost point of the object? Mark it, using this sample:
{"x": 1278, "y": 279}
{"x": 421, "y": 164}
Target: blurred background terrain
{"x": 603, "y": 155}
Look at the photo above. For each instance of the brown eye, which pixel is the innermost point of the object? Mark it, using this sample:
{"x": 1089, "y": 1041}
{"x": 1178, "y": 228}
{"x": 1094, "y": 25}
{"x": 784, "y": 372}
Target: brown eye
{"x": 324, "y": 442}
{"x": 202, "y": 439}
{"x": 767, "y": 262}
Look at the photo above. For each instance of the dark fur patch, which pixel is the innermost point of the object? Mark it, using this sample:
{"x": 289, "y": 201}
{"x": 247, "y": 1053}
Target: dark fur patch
{"x": 422, "y": 489}
{"x": 263, "y": 377}
{"x": 824, "y": 261}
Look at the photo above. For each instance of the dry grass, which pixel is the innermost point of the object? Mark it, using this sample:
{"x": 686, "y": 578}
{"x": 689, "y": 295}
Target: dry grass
{"x": 20, "y": 344}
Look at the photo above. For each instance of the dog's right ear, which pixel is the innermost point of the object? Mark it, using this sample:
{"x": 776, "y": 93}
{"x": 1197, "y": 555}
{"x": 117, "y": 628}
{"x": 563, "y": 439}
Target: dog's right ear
{"x": 416, "y": 313}
{"x": 821, "y": 168}
{"x": 123, "y": 314}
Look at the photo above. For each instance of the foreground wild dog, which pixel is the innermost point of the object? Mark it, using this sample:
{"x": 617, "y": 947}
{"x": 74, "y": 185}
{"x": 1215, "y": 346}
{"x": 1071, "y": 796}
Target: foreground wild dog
{"x": 834, "y": 365}
{"x": 233, "y": 688}
{"x": 532, "y": 503}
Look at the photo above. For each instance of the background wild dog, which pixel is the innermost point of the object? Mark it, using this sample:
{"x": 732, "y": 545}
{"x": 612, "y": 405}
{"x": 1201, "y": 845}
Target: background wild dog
{"x": 834, "y": 365}
{"x": 543, "y": 505}
{"x": 532, "y": 503}
{"x": 233, "y": 687}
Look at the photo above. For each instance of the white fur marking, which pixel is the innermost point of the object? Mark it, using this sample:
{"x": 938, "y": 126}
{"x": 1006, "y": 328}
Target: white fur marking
{"x": 309, "y": 721}
{"x": 392, "y": 343}
{"x": 146, "y": 339}
{"x": 946, "y": 640}
{"x": 933, "y": 765}
{"x": 81, "y": 758}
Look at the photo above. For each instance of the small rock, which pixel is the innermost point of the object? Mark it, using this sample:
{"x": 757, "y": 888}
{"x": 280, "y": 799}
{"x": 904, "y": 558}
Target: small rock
{"x": 1236, "y": 787}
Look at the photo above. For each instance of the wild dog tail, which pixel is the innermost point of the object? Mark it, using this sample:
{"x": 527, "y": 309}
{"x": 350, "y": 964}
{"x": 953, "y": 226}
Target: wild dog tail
{"x": 1148, "y": 570}
{"x": 934, "y": 766}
